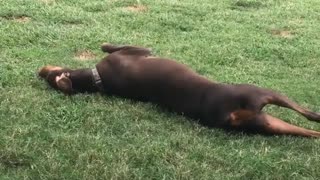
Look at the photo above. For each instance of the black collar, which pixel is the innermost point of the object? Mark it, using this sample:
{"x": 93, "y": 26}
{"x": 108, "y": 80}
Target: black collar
{"x": 97, "y": 79}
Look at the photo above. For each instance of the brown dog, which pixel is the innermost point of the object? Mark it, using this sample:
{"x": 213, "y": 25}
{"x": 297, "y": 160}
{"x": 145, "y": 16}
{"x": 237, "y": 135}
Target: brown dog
{"x": 132, "y": 72}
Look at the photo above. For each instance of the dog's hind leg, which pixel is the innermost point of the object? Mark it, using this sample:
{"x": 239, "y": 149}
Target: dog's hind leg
{"x": 126, "y": 50}
{"x": 271, "y": 97}
{"x": 263, "y": 123}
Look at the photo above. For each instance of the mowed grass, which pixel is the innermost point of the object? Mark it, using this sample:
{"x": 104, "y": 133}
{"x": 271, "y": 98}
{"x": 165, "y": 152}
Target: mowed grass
{"x": 46, "y": 135}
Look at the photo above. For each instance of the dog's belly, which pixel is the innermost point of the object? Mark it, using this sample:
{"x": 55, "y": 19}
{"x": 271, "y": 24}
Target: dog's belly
{"x": 164, "y": 82}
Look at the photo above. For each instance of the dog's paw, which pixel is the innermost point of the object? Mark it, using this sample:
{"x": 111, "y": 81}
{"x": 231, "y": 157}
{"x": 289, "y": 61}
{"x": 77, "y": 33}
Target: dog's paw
{"x": 105, "y": 46}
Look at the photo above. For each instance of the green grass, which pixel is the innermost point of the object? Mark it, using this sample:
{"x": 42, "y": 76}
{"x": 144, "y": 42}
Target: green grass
{"x": 46, "y": 135}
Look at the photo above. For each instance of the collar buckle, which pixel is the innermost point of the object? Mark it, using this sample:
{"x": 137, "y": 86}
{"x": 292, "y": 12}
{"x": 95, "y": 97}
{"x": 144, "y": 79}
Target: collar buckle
{"x": 97, "y": 79}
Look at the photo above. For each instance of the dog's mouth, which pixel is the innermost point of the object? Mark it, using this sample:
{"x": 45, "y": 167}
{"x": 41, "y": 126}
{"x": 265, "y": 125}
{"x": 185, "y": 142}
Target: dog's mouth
{"x": 61, "y": 76}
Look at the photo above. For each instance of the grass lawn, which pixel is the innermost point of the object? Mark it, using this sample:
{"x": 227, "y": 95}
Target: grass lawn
{"x": 46, "y": 135}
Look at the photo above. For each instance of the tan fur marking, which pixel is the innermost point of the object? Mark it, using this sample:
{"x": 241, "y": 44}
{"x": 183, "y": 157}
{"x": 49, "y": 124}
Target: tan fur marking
{"x": 52, "y": 68}
{"x": 240, "y": 117}
{"x": 43, "y": 72}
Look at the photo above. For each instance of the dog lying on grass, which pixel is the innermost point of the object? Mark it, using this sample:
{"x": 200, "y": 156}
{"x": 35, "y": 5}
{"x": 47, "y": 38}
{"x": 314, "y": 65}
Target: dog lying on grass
{"x": 131, "y": 72}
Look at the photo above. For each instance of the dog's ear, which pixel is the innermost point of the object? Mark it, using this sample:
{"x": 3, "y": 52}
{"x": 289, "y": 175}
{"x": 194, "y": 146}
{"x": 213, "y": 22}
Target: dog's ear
{"x": 64, "y": 84}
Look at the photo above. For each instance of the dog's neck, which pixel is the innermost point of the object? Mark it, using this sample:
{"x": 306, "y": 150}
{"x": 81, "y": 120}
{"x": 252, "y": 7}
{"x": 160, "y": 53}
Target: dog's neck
{"x": 83, "y": 81}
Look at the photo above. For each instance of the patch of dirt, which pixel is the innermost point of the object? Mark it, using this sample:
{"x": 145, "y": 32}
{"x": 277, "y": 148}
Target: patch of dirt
{"x": 85, "y": 55}
{"x": 18, "y": 19}
{"x": 282, "y": 33}
{"x": 136, "y": 8}
{"x": 22, "y": 19}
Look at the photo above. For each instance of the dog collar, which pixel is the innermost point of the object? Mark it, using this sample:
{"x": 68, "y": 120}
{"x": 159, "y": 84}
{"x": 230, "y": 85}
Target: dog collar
{"x": 97, "y": 79}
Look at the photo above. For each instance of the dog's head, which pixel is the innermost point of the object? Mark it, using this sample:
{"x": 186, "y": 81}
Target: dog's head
{"x": 57, "y": 77}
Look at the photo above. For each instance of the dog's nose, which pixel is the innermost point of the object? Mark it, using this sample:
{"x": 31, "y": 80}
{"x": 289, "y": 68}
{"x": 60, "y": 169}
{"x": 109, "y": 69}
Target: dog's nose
{"x": 44, "y": 71}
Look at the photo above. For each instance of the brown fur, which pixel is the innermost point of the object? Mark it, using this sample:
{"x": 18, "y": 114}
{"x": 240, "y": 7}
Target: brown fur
{"x": 131, "y": 72}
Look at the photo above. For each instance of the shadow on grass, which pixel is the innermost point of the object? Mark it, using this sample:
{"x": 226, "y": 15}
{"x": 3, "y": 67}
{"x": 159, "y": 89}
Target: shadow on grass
{"x": 247, "y": 4}
{"x": 14, "y": 160}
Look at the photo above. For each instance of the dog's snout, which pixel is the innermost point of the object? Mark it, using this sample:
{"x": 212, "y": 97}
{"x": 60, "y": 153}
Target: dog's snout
{"x": 44, "y": 71}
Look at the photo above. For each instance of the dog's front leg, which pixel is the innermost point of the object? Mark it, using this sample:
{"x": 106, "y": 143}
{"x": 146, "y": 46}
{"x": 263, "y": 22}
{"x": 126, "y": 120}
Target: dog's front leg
{"x": 126, "y": 50}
